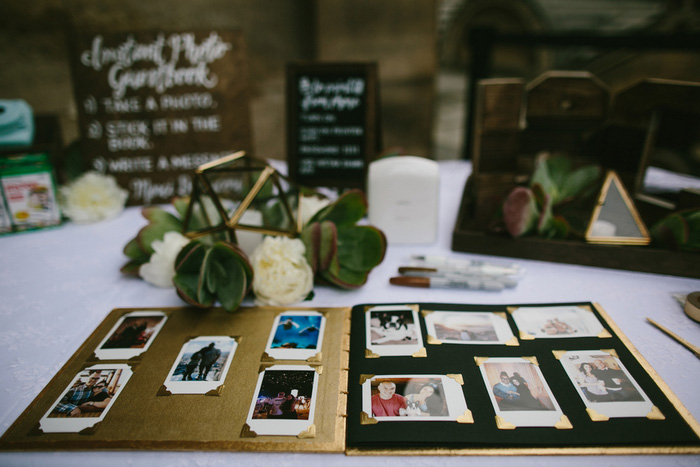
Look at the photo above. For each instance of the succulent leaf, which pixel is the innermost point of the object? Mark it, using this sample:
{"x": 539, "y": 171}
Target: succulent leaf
{"x": 678, "y": 231}
{"x": 361, "y": 248}
{"x": 520, "y": 211}
{"x": 345, "y": 278}
{"x": 349, "y": 208}
{"x": 321, "y": 242}
{"x": 577, "y": 182}
{"x": 189, "y": 277}
{"x": 227, "y": 276}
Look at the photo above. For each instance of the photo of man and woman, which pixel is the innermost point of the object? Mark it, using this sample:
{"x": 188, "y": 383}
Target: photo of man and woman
{"x": 89, "y": 395}
{"x": 131, "y": 335}
{"x": 202, "y": 365}
{"x": 87, "y": 398}
{"x": 284, "y": 401}
{"x": 408, "y": 397}
{"x": 413, "y": 397}
{"x": 605, "y": 384}
{"x": 519, "y": 392}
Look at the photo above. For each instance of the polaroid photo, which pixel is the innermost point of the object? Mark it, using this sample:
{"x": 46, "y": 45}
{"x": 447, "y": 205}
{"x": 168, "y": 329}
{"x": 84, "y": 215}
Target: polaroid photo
{"x": 87, "y": 399}
{"x": 285, "y": 400}
{"x": 421, "y": 398}
{"x": 604, "y": 384}
{"x": 519, "y": 393}
{"x": 202, "y": 365}
{"x": 393, "y": 330}
{"x": 296, "y": 335}
{"x": 131, "y": 336}
{"x": 458, "y": 327}
{"x": 560, "y": 321}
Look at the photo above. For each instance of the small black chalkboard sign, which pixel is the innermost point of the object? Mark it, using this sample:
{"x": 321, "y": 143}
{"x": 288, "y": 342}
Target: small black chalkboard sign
{"x": 333, "y": 124}
{"x": 154, "y": 105}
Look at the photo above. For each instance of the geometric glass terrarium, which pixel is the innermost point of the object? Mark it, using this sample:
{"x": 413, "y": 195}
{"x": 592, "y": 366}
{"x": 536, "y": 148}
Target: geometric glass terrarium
{"x": 240, "y": 193}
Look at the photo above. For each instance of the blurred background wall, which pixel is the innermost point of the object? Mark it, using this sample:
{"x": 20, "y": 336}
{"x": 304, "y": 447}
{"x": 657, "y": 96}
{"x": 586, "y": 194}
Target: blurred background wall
{"x": 419, "y": 46}
{"x": 398, "y": 34}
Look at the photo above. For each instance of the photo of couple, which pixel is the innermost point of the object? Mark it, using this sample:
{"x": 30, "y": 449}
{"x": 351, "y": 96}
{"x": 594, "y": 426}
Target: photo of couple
{"x": 401, "y": 397}
{"x": 412, "y": 397}
{"x": 202, "y": 365}
{"x": 513, "y": 393}
{"x": 519, "y": 393}
{"x": 602, "y": 380}
{"x": 87, "y": 399}
{"x": 604, "y": 384}
{"x": 131, "y": 335}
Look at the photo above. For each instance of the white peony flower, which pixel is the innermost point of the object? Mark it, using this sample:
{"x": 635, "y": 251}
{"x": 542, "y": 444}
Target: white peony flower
{"x": 282, "y": 274}
{"x": 310, "y": 205}
{"x": 92, "y": 197}
{"x": 160, "y": 269}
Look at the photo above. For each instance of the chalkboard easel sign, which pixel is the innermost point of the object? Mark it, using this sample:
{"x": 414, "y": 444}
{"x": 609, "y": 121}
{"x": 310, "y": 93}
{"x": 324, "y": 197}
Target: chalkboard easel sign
{"x": 333, "y": 124}
{"x": 155, "y": 105}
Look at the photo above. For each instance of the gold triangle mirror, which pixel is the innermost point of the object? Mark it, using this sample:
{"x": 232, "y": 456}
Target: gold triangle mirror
{"x": 615, "y": 219}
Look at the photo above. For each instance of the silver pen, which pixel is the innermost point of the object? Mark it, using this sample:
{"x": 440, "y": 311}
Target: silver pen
{"x": 465, "y": 266}
{"x": 441, "y": 282}
{"x": 457, "y": 275}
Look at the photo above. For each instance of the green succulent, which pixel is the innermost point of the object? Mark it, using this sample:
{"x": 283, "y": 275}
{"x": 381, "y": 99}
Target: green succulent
{"x": 339, "y": 251}
{"x": 533, "y": 209}
{"x": 678, "y": 231}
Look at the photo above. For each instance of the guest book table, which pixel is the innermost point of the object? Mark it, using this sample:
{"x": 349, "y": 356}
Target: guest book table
{"x": 58, "y": 285}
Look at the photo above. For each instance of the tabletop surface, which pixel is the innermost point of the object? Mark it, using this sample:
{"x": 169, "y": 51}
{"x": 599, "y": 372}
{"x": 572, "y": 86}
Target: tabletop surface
{"x": 57, "y": 285}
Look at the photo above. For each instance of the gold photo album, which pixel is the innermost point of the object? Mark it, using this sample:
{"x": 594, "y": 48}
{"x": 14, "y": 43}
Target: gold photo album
{"x": 372, "y": 379}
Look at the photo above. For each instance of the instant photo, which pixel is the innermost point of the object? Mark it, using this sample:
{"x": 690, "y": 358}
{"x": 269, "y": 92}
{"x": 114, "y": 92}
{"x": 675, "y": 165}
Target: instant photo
{"x": 553, "y": 322}
{"x": 605, "y": 385}
{"x": 131, "y": 336}
{"x": 454, "y": 327}
{"x": 296, "y": 335}
{"x": 87, "y": 399}
{"x": 284, "y": 401}
{"x": 201, "y": 365}
{"x": 421, "y": 398}
{"x": 393, "y": 331}
{"x": 519, "y": 393}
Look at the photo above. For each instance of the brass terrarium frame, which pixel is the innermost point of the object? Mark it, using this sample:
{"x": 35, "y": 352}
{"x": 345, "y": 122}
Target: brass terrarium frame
{"x": 240, "y": 163}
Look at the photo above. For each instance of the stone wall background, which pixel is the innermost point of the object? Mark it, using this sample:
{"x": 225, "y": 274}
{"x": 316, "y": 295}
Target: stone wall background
{"x": 398, "y": 34}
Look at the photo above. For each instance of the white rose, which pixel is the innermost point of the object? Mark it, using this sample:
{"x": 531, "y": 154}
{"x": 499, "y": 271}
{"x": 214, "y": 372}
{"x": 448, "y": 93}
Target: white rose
{"x": 282, "y": 274}
{"x": 92, "y": 197}
{"x": 160, "y": 269}
{"x": 310, "y": 205}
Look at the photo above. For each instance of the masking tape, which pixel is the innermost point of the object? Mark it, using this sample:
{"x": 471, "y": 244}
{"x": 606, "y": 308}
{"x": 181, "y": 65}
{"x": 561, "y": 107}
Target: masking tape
{"x": 692, "y": 306}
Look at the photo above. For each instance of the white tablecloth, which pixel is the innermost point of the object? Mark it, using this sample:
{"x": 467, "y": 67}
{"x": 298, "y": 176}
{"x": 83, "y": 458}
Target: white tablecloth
{"x": 57, "y": 285}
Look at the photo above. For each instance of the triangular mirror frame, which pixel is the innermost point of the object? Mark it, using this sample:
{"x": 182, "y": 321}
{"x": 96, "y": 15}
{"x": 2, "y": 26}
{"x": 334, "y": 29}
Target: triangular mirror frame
{"x": 612, "y": 185}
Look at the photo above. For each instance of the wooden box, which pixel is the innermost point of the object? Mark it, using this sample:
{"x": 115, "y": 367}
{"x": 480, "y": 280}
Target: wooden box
{"x": 575, "y": 114}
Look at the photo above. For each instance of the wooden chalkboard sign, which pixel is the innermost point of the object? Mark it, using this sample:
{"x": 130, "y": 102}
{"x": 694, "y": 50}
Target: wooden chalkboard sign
{"x": 153, "y": 106}
{"x": 333, "y": 124}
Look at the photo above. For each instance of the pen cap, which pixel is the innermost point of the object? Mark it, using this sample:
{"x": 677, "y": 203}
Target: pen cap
{"x": 402, "y": 193}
